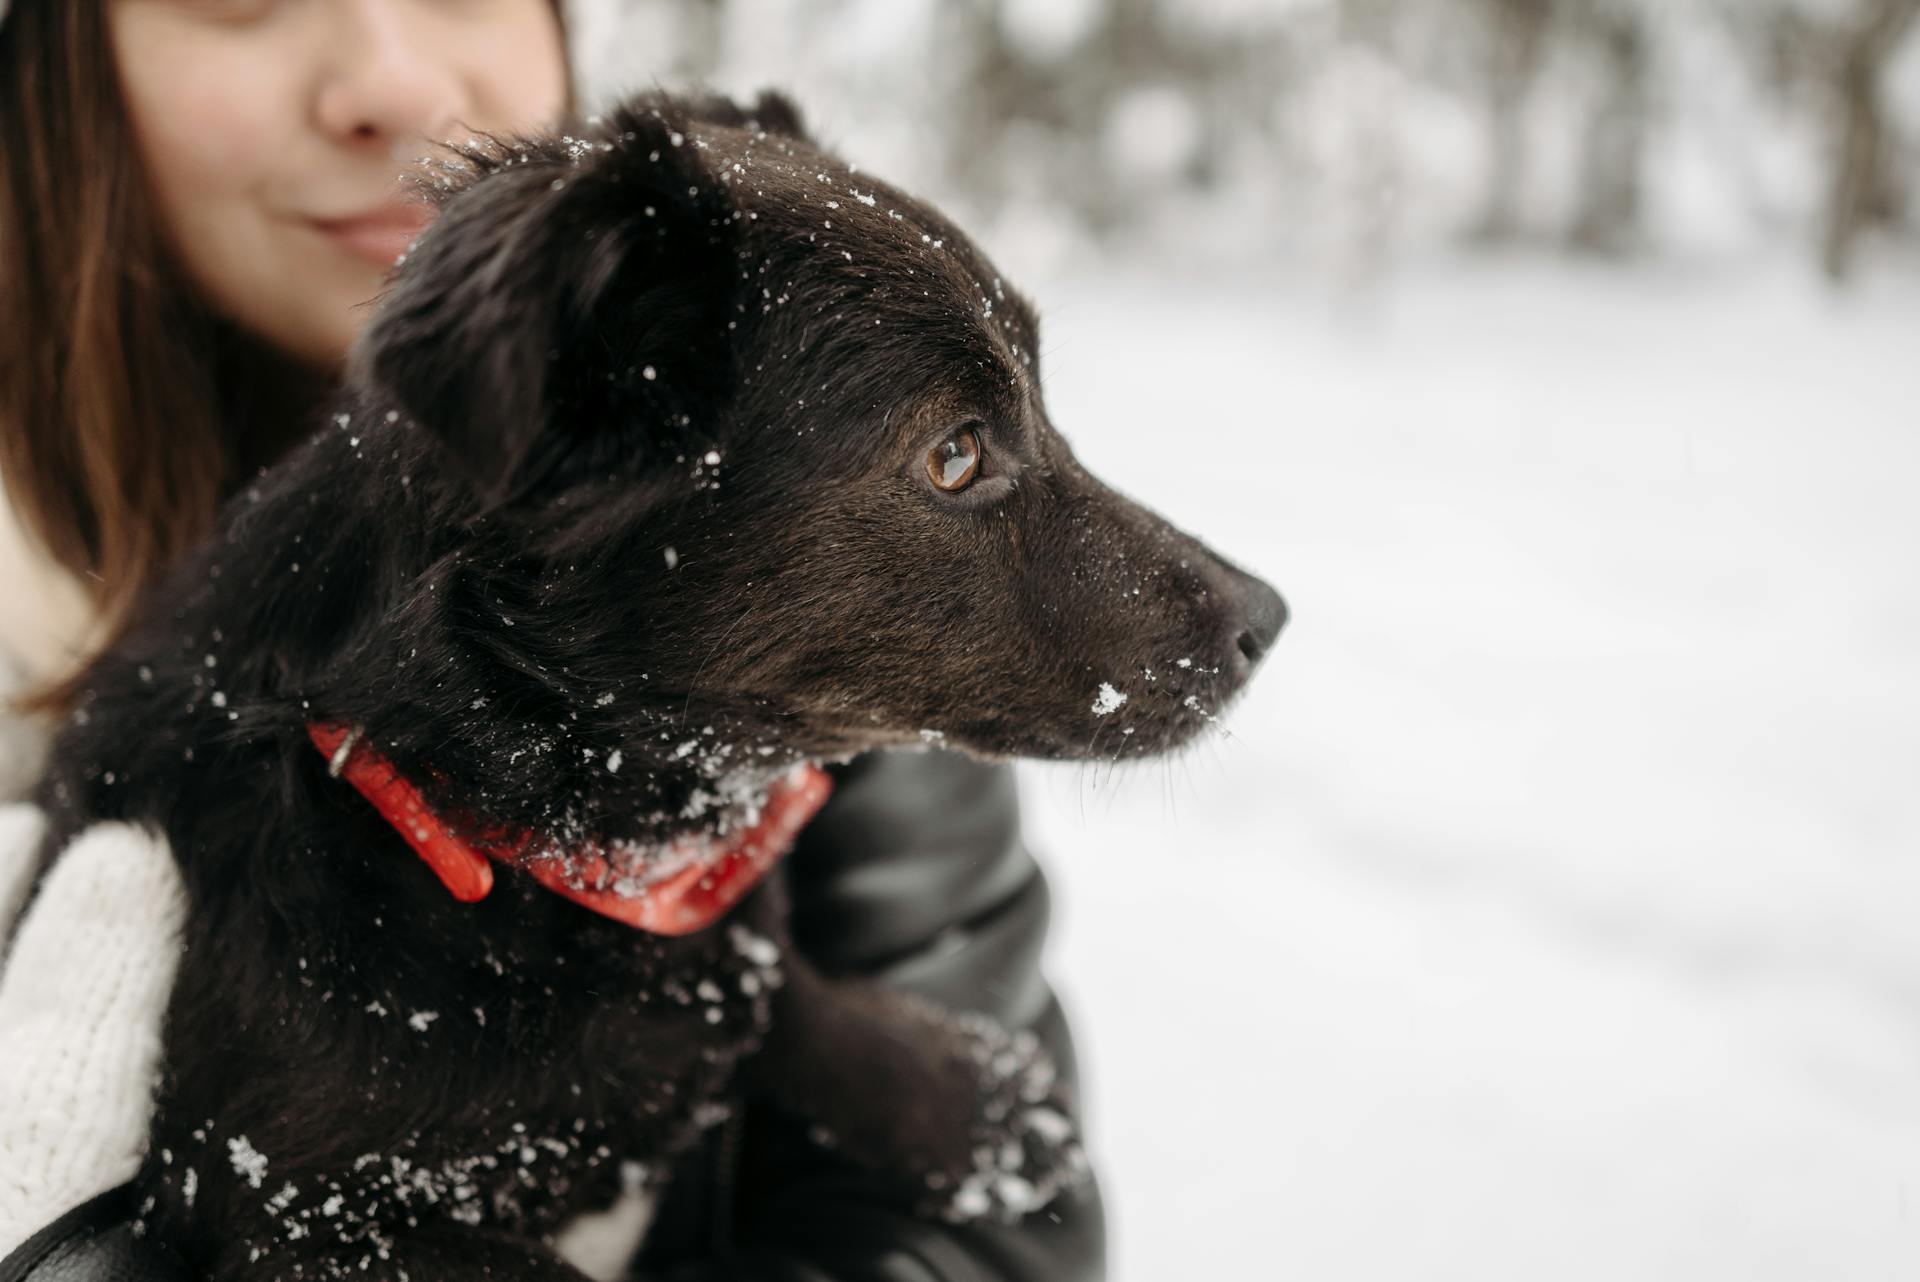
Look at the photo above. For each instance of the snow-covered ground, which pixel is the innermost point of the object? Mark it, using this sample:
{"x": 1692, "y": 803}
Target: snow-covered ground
{"x": 1554, "y": 909}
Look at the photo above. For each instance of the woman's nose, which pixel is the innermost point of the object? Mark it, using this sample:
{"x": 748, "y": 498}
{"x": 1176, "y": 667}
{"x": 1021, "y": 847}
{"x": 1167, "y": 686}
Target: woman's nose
{"x": 385, "y": 80}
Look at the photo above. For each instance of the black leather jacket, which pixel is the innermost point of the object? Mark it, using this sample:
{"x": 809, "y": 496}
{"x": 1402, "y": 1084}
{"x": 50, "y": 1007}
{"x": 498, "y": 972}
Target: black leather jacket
{"x": 913, "y": 873}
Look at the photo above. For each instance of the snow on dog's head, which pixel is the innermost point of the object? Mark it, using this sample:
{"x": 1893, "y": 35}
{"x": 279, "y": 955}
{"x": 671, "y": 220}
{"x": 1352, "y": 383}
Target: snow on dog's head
{"x": 751, "y": 449}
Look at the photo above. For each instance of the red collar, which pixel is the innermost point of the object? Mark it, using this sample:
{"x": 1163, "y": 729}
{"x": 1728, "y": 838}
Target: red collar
{"x": 702, "y": 877}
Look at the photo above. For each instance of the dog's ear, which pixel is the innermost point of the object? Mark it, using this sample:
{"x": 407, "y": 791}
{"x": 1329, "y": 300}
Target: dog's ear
{"x": 773, "y": 113}
{"x": 570, "y": 300}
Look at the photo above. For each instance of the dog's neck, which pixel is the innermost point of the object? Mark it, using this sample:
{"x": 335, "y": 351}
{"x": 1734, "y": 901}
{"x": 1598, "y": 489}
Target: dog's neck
{"x": 671, "y": 890}
{"x": 624, "y": 773}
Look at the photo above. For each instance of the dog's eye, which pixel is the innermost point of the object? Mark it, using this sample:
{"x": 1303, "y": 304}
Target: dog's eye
{"x": 954, "y": 462}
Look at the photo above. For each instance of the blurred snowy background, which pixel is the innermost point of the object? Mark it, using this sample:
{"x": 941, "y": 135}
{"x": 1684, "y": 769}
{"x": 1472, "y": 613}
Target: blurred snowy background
{"x": 1551, "y": 908}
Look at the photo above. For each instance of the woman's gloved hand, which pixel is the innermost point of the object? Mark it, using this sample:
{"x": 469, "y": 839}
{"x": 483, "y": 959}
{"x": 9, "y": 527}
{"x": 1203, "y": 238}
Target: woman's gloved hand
{"x": 914, "y": 875}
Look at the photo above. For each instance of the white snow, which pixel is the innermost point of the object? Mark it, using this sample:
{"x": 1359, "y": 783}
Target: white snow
{"x": 1550, "y": 911}
{"x": 248, "y": 1162}
{"x": 1107, "y": 700}
{"x": 756, "y": 948}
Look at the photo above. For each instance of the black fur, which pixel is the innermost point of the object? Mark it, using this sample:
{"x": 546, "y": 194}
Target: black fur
{"x": 630, "y": 460}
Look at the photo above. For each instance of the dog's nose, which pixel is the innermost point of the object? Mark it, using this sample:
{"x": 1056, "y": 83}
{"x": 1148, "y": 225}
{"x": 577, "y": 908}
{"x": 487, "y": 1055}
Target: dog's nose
{"x": 1263, "y": 612}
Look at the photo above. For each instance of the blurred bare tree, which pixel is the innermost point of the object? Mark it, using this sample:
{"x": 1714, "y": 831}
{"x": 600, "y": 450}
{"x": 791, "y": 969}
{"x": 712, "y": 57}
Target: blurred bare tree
{"x": 1836, "y": 54}
{"x": 1607, "y": 212}
{"x": 1865, "y": 184}
{"x": 1515, "y": 32}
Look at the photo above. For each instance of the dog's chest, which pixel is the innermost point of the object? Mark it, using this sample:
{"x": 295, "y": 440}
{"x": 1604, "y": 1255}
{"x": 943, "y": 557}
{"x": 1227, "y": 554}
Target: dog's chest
{"x": 505, "y": 1078}
{"x": 607, "y": 1023}
{"x": 616, "y": 1073}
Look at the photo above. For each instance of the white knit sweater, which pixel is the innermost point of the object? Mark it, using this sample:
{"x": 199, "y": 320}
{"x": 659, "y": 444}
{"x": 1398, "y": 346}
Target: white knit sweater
{"x": 81, "y": 1000}
{"x": 84, "y": 976}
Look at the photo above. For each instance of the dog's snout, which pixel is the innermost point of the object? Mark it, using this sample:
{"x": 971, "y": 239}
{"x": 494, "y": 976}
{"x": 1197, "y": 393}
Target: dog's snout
{"x": 1262, "y": 614}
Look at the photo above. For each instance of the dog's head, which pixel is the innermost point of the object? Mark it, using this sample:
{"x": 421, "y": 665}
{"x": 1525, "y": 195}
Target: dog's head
{"x": 770, "y": 436}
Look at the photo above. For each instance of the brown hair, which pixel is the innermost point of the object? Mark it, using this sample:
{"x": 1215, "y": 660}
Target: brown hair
{"x": 106, "y": 445}
{"x": 120, "y": 396}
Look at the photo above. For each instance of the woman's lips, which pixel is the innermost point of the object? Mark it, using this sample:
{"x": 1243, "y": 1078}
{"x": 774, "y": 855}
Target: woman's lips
{"x": 381, "y": 236}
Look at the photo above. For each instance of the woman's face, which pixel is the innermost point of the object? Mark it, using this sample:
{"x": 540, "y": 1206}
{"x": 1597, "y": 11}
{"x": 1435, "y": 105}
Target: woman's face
{"x": 273, "y": 133}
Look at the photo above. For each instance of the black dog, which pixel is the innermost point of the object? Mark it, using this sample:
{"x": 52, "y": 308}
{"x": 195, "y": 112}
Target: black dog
{"x": 678, "y": 456}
